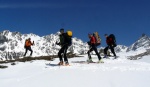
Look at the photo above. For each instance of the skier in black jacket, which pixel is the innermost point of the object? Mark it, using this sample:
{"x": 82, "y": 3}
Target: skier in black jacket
{"x": 64, "y": 43}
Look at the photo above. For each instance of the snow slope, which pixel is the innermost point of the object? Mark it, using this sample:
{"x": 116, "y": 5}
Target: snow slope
{"x": 113, "y": 73}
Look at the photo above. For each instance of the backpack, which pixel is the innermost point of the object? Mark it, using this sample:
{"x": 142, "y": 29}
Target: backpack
{"x": 26, "y": 43}
{"x": 69, "y": 33}
{"x": 114, "y": 39}
{"x": 69, "y": 37}
{"x": 97, "y": 38}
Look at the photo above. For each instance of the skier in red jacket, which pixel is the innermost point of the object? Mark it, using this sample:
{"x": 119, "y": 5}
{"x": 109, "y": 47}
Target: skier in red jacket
{"x": 92, "y": 44}
{"x": 111, "y": 45}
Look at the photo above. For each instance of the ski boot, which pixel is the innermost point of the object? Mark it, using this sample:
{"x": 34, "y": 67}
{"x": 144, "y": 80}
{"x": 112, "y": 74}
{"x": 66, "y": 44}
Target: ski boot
{"x": 89, "y": 61}
{"x": 105, "y": 56}
{"x": 60, "y": 63}
{"x": 67, "y": 64}
{"x": 100, "y": 61}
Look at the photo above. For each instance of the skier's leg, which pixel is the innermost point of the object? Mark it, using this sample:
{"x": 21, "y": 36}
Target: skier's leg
{"x": 95, "y": 49}
{"x": 26, "y": 50}
{"x": 112, "y": 50}
{"x": 65, "y": 54}
{"x": 31, "y": 51}
{"x": 105, "y": 51}
{"x": 89, "y": 55}
{"x": 60, "y": 52}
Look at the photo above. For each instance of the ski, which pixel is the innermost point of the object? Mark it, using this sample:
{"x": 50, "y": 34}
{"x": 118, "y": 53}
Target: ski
{"x": 85, "y": 62}
{"x": 53, "y": 65}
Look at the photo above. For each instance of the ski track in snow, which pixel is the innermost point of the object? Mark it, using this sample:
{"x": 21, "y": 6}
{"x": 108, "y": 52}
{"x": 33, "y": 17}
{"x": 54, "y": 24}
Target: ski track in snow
{"x": 108, "y": 65}
{"x": 112, "y": 73}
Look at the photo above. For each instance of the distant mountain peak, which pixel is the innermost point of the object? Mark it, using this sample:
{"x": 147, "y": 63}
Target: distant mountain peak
{"x": 143, "y": 35}
{"x": 5, "y": 32}
{"x": 142, "y": 42}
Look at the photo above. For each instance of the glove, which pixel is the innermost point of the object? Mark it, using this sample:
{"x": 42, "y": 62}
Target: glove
{"x": 25, "y": 47}
{"x": 57, "y": 43}
{"x": 33, "y": 42}
{"x": 88, "y": 43}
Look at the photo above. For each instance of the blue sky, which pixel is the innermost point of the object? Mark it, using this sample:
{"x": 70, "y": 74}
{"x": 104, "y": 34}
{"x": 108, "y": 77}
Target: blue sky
{"x": 127, "y": 19}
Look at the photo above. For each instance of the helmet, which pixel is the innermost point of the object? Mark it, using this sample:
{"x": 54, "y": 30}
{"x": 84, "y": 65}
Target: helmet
{"x": 61, "y": 30}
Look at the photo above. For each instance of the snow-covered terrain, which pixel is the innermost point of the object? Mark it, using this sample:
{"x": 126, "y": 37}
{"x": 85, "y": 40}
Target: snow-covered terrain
{"x": 142, "y": 43}
{"x": 120, "y": 72}
{"x": 112, "y": 73}
{"x": 12, "y": 45}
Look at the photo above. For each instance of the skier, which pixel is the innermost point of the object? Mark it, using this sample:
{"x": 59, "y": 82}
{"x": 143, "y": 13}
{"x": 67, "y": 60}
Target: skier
{"x": 65, "y": 42}
{"x": 110, "y": 45}
{"x": 27, "y": 46}
{"x": 92, "y": 44}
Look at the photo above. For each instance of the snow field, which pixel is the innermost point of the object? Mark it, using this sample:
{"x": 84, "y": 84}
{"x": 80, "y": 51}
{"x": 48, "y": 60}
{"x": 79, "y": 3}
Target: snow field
{"x": 113, "y": 73}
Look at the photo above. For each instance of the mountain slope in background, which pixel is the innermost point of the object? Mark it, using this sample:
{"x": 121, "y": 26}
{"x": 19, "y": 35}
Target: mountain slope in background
{"x": 12, "y": 45}
{"x": 142, "y": 43}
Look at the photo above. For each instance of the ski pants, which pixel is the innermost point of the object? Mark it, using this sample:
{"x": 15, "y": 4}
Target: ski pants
{"x": 64, "y": 51}
{"x": 111, "y": 48}
{"x": 28, "y": 48}
{"x": 93, "y": 47}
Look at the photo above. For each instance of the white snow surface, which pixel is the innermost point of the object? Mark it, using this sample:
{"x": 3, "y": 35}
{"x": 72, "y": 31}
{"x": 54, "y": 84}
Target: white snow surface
{"x": 112, "y": 73}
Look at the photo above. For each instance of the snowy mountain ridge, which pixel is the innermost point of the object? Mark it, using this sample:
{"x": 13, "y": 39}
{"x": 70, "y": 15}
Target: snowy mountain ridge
{"x": 12, "y": 45}
{"x": 142, "y": 43}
